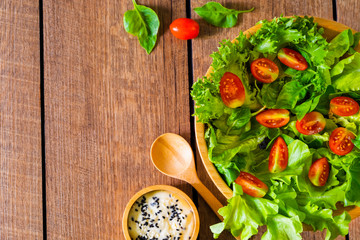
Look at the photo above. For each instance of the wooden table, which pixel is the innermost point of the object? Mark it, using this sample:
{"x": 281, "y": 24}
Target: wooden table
{"x": 81, "y": 103}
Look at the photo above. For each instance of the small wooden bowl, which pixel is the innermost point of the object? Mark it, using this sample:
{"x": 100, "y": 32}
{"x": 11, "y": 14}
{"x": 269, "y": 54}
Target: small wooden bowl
{"x": 331, "y": 29}
{"x": 167, "y": 188}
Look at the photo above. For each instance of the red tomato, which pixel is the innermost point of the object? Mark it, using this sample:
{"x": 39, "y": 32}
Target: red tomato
{"x": 232, "y": 90}
{"x": 273, "y": 118}
{"x": 344, "y": 106}
{"x": 292, "y": 59}
{"x": 279, "y": 156}
{"x": 319, "y": 172}
{"x": 251, "y": 185}
{"x": 340, "y": 141}
{"x": 264, "y": 70}
{"x": 312, "y": 123}
{"x": 184, "y": 28}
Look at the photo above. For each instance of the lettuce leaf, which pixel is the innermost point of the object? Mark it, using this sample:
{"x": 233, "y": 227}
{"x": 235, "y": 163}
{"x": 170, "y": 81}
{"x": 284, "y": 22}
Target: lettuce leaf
{"x": 281, "y": 227}
{"x": 321, "y": 219}
{"x": 339, "y": 45}
{"x": 345, "y": 75}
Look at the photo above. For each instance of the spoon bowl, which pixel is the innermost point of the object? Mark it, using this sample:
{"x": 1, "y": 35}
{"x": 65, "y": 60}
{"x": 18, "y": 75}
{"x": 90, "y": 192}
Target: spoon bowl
{"x": 172, "y": 155}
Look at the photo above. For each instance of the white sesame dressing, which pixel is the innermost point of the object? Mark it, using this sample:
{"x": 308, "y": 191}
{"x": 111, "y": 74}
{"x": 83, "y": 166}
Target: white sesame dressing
{"x": 160, "y": 215}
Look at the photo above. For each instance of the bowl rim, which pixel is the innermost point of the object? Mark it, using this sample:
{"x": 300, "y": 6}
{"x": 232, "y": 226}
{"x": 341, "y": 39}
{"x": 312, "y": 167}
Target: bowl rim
{"x": 331, "y": 29}
{"x": 167, "y": 188}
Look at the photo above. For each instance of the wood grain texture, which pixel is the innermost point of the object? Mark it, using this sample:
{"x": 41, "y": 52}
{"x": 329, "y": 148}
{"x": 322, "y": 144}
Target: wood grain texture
{"x": 20, "y": 121}
{"x": 207, "y": 42}
{"x": 106, "y": 100}
{"x": 348, "y": 13}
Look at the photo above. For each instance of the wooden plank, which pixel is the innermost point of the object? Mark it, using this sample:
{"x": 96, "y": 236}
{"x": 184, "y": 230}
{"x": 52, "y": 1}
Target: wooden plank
{"x": 207, "y": 42}
{"x": 20, "y": 121}
{"x": 106, "y": 100}
{"x": 347, "y": 13}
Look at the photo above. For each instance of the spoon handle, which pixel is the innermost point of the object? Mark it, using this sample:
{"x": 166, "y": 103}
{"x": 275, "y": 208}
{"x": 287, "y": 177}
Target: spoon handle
{"x": 209, "y": 198}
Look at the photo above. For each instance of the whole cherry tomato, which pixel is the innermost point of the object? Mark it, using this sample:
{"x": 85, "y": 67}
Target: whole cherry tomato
{"x": 312, "y": 123}
{"x": 184, "y": 28}
{"x": 279, "y": 156}
{"x": 340, "y": 141}
{"x": 264, "y": 70}
{"x": 273, "y": 118}
{"x": 292, "y": 59}
{"x": 251, "y": 185}
{"x": 344, "y": 106}
{"x": 319, "y": 172}
{"x": 232, "y": 90}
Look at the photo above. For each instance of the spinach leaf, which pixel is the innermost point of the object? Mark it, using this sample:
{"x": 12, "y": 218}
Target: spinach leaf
{"x": 324, "y": 102}
{"x": 305, "y": 107}
{"x": 270, "y": 92}
{"x": 239, "y": 118}
{"x": 219, "y": 16}
{"x": 143, "y": 23}
{"x": 290, "y": 94}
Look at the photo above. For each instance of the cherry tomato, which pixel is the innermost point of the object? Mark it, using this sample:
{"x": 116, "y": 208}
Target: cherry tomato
{"x": 292, "y": 59}
{"x": 319, "y": 172}
{"x": 279, "y": 156}
{"x": 273, "y": 118}
{"x": 251, "y": 185}
{"x": 312, "y": 123}
{"x": 344, "y": 106}
{"x": 340, "y": 141}
{"x": 232, "y": 90}
{"x": 264, "y": 70}
{"x": 184, "y": 28}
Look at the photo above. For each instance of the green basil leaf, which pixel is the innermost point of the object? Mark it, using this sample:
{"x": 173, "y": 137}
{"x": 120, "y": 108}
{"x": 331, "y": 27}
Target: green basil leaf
{"x": 219, "y": 16}
{"x": 143, "y": 23}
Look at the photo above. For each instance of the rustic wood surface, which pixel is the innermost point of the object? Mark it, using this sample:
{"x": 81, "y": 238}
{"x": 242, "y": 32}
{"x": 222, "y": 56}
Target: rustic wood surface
{"x": 21, "y": 214}
{"x": 105, "y": 101}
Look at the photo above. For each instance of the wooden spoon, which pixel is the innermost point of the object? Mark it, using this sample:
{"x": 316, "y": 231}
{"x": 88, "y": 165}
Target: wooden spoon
{"x": 172, "y": 155}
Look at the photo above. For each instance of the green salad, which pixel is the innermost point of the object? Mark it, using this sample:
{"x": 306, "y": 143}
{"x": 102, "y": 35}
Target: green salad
{"x": 281, "y": 110}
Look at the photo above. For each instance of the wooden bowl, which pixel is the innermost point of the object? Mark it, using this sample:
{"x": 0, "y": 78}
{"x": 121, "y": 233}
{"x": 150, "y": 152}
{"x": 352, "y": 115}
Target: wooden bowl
{"x": 177, "y": 192}
{"x": 331, "y": 29}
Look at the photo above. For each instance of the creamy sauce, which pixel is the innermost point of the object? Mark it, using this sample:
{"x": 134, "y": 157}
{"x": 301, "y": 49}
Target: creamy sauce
{"x": 161, "y": 215}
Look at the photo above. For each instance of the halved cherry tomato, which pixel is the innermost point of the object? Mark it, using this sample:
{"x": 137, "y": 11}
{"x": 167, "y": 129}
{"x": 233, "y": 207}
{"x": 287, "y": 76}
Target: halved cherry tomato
{"x": 319, "y": 172}
{"x": 279, "y": 156}
{"x": 251, "y": 185}
{"x": 264, "y": 70}
{"x": 292, "y": 59}
{"x": 184, "y": 28}
{"x": 344, "y": 106}
{"x": 312, "y": 123}
{"x": 232, "y": 90}
{"x": 273, "y": 118}
{"x": 340, "y": 141}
